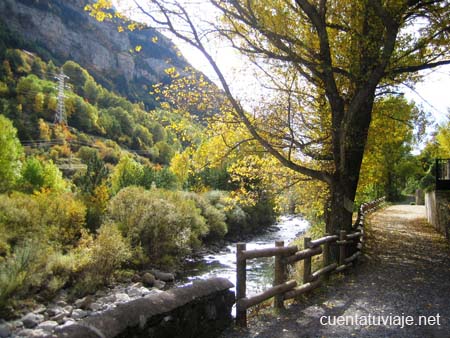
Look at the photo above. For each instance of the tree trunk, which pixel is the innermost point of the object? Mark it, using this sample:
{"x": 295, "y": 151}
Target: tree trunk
{"x": 348, "y": 165}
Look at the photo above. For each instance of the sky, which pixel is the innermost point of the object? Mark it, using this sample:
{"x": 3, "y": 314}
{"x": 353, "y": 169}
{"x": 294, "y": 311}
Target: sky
{"x": 433, "y": 93}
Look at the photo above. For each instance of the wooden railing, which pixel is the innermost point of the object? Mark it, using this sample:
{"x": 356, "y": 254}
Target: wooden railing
{"x": 282, "y": 288}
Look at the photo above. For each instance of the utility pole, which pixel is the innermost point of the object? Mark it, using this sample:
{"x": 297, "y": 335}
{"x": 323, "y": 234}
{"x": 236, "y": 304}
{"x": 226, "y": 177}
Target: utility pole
{"x": 60, "y": 116}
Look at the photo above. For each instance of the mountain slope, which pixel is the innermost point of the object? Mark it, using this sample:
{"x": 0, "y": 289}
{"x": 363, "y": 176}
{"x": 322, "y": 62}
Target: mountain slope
{"x": 61, "y": 30}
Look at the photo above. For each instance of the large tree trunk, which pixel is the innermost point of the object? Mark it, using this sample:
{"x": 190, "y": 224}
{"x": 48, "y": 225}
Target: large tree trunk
{"x": 348, "y": 160}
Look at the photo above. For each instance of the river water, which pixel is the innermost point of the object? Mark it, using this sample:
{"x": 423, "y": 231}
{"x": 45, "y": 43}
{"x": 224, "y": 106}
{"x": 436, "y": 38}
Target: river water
{"x": 259, "y": 271}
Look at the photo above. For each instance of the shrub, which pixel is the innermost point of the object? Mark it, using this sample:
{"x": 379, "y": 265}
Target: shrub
{"x": 127, "y": 172}
{"x": 44, "y": 216}
{"x": 109, "y": 251}
{"x": 91, "y": 264}
{"x": 63, "y": 217}
{"x": 215, "y": 218}
{"x": 15, "y": 271}
{"x": 243, "y": 219}
{"x": 235, "y": 217}
{"x": 19, "y": 220}
{"x": 157, "y": 221}
{"x": 37, "y": 175}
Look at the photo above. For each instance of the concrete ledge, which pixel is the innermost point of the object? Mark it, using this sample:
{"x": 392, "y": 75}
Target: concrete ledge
{"x": 202, "y": 309}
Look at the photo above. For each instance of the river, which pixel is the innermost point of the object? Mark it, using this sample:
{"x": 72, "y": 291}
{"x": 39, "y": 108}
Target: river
{"x": 259, "y": 271}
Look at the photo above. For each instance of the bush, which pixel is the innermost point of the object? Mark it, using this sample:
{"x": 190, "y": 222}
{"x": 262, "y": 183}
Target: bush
{"x": 99, "y": 259}
{"x": 243, "y": 219}
{"x": 37, "y": 175}
{"x": 46, "y": 216}
{"x": 236, "y": 219}
{"x": 109, "y": 251}
{"x": 160, "y": 222}
{"x": 62, "y": 216}
{"x": 15, "y": 271}
{"x": 91, "y": 264}
{"x": 19, "y": 220}
{"x": 215, "y": 218}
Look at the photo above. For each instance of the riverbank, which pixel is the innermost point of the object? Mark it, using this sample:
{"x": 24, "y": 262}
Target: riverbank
{"x": 63, "y": 310}
{"x": 214, "y": 260}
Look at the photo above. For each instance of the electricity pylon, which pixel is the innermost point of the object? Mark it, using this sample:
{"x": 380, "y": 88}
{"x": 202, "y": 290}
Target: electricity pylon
{"x": 60, "y": 113}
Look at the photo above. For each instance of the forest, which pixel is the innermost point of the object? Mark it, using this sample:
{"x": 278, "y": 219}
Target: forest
{"x": 117, "y": 187}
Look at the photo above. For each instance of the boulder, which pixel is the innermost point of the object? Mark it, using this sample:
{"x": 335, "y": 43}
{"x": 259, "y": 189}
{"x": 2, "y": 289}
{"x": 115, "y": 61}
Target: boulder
{"x": 48, "y": 325}
{"x": 148, "y": 279}
{"x": 136, "y": 278}
{"x": 32, "y": 320}
{"x": 84, "y": 302}
{"x": 159, "y": 284}
{"x": 79, "y": 313}
{"x": 163, "y": 276}
{"x": 5, "y": 331}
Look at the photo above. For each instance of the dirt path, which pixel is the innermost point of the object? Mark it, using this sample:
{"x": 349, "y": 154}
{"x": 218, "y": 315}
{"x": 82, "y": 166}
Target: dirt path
{"x": 405, "y": 274}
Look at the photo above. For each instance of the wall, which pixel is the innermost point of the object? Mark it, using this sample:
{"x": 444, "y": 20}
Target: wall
{"x": 437, "y": 204}
{"x": 199, "y": 310}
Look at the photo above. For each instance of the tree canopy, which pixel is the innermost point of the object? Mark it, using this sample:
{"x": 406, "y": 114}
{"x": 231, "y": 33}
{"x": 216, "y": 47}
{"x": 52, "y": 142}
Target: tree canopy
{"x": 10, "y": 155}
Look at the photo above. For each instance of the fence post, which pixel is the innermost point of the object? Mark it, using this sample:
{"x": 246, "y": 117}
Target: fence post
{"x": 280, "y": 276}
{"x": 342, "y": 247}
{"x": 306, "y": 261}
{"x": 241, "y": 281}
{"x": 326, "y": 257}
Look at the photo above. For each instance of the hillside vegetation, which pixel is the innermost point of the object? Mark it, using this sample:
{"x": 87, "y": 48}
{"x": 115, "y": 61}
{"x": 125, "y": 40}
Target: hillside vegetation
{"x": 86, "y": 203}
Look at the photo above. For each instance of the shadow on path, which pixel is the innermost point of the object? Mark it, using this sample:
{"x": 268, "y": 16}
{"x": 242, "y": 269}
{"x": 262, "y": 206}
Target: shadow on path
{"x": 405, "y": 272}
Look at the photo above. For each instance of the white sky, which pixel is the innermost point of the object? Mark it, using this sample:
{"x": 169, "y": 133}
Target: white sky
{"x": 433, "y": 93}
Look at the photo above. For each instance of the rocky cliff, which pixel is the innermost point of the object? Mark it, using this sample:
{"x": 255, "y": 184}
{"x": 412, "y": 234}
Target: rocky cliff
{"x": 61, "y": 30}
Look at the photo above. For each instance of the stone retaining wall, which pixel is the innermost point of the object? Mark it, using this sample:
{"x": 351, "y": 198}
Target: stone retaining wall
{"x": 437, "y": 205}
{"x": 202, "y": 309}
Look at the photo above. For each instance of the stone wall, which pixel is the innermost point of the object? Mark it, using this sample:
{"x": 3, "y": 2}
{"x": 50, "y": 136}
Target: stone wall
{"x": 202, "y": 309}
{"x": 437, "y": 204}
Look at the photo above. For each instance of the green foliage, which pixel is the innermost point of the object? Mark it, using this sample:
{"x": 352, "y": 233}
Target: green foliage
{"x": 19, "y": 220}
{"x": 109, "y": 251}
{"x": 98, "y": 259}
{"x": 49, "y": 217}
{"x": 81, "y": 114}
{"x": 126, "y": 173}
{"x": 91, "y": 90}
{"x": 158, "y": 221}
{"x": 239, "y": 219}
{"x": 62, "y": 217}
{"x": 387, "y": 163}
{"x": 158, "y": 177}
{"x": 16, "y": 61}
{"x": 38, "y": 175}
{"x": 77, "y": 75}
{"x": 142, "y": 138}
{"x": 96, "y": 171}
{"x": 89, "y": 107}
{"x": 165, "y": 152}
{"x": 214, "y": 216}
{"x": 14, "y": 273}
{"x": 10, "y": 154}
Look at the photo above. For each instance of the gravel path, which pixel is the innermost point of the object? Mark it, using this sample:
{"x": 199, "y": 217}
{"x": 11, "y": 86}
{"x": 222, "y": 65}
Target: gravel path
{"x": 404, "y": 274}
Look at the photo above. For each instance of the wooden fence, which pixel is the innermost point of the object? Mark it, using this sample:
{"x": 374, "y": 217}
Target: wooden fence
{"x": 287, "y": 255}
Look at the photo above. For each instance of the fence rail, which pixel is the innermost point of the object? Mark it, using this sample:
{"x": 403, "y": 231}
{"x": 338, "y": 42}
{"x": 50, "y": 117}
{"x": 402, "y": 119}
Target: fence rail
{"x": 288, "y": 255}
